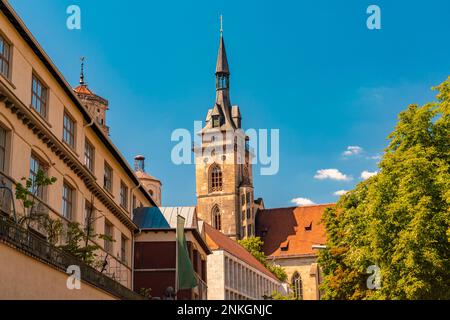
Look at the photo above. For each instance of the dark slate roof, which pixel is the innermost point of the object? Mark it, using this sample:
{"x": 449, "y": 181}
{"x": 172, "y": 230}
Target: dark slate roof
{"x": 222, "y": 62}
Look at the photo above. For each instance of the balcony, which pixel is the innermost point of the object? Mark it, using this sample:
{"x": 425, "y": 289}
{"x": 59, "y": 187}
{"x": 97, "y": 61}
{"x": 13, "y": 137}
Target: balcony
{"x": 112, "y": 276}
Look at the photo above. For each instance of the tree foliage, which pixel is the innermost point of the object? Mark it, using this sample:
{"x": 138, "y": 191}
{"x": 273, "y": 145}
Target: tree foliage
{"x": 399, "y": 219}
{"x": 254, "y": 246}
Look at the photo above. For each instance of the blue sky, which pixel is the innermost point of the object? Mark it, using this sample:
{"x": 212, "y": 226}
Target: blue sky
{"x": 309, "y": 68}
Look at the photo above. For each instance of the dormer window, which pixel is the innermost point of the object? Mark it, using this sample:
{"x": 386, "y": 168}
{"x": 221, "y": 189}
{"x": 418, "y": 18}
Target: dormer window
{"x": 215, "y": 121}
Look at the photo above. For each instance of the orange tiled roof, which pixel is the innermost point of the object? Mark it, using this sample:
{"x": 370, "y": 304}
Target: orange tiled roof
{"x": 83, "y": 89}
{"x": 291, "y": 231}
{"x": 216, "y": 240}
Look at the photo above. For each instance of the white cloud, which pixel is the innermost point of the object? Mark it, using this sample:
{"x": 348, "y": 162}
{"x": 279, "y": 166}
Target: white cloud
{"x": 352, "y": 151}
{"x": 333, "y": 174}
{"x": 302, "y": 201}
{"x": 367, "y": 174}
{"x": 340, "y": 193}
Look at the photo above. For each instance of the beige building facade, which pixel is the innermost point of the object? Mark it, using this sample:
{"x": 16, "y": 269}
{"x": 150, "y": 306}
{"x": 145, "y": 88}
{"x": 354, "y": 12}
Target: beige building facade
{"x": 234, "y": 274}
{"x": 44, "y": 126}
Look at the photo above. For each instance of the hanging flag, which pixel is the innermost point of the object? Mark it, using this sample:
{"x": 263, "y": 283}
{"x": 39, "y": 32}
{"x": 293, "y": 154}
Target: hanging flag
{"x": 185, "y": 274}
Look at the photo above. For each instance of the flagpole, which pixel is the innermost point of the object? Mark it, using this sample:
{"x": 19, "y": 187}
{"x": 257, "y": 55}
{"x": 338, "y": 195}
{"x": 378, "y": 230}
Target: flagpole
{"x": 176, "y": 258}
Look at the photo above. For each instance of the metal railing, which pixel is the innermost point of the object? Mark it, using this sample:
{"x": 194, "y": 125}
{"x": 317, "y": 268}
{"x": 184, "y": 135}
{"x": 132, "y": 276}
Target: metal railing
{"x": 37, "y": 247}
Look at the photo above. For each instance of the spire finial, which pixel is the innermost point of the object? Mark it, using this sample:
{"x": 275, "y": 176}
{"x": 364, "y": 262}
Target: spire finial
{"x": 82, "y": 71}
{"x": 221, "y": 25}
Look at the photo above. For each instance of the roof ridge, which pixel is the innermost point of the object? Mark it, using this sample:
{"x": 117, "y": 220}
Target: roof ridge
{"x": 295, "y": 207}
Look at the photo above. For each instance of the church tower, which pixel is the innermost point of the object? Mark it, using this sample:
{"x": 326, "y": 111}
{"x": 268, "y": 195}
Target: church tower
{"x": 96, "y": 105}
{"x": 224, "y": 180}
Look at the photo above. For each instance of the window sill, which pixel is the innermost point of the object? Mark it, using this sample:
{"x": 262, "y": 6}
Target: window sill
{"x": 40, "y": 116}
{"x": 8, "y": 81}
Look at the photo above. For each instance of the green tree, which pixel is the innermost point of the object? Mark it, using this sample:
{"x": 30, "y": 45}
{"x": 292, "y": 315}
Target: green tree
{"x": 399, "y": 219}
{"x": 254, "y": 245}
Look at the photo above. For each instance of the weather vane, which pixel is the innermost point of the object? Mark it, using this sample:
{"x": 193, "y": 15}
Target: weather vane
{"x": 82, "y": 70}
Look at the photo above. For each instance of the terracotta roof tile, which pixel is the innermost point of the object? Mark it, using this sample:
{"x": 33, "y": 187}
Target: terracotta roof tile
{"x": 216, "y": 240}
{"x": 83, "y": 89}
{"x": 291, "y": 231}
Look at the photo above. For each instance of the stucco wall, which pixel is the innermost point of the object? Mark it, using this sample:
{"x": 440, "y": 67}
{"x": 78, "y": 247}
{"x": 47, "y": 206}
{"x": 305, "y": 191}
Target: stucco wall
{"x": 23, "y": 277}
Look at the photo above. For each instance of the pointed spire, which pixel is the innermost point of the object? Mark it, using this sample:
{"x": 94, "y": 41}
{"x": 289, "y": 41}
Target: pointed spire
{"x": 222, "y": 62}
{"x": 82, "y": 71}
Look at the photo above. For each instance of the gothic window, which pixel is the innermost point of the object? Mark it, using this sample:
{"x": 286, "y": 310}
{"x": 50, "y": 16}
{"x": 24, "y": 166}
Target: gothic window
{"x": 215, "y": 178}
{"x": 216, "y": 218}
{"x": 297, "y": 286}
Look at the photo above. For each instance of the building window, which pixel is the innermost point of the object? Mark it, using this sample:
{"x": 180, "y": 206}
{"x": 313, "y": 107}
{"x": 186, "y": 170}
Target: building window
{"x": 5, "y": 57}
{"x": 249, "y": 230}
{"x": 89, "y": 216}
{"x": 107, "y": 178}
{"x": 243, "y": 199}
{"x": 123, "y": 249}
{"x": 133, "y": 202}
{"x": 67, "y": 204}
{"x": 216, "y": 121}
{"x": 216, "y": 218}
{"x": 89, "y": 156}
{"x": 69, "y": 130}
{"x": 109, "y": 234}
{"x": 248, "y": 213}
{"x": 3, "y": 145}
{"x": 35, "y": 166}
{"x": 297, "y": 286}
{"x": 39, "y": 97}
{"x": 248, "y": 198}
{"x": 243, "y": 232}
{"x": 123, "y": 195}
{"x": 243, "y": 215}
{"x": 215, "y": 178}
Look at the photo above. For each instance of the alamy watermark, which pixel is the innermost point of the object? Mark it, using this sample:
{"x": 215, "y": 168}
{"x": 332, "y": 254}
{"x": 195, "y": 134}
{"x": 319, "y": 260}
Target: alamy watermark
{"x": 255, "y": 146}
{"x": 73, "y": 21}
{"x": 74, "y": 280}
{"x": 374, "y": 280}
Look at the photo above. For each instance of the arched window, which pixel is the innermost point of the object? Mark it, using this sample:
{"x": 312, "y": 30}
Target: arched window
{"x": 297, "y": 286}
{"x": 215, "y": 178}
{"x": 216, "y": 218}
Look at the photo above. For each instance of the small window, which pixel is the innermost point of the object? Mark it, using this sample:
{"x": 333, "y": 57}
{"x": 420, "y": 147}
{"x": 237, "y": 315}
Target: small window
{"x": 89, "y": 216}
{"x": 39, "y": 97}
{"x": 243, "y": 215}
{"x": 308, "y": 227}
{"x": 216, "y": 121}
{"x": 243, "y": 199}
{"x": 109, "y": 234}
{"x": 5, "y": 57}
{"x": 248, "y": 213}
{"x": 123, "y": 249}
{"x": 89, "y": 156}
{"x": 69, "y": 130}
{"x": 216, "y": 218}
{"x": 35, "y": 166}
{"x": 133, "y": 202}
{"x": 68, "y": 197}
{"x": 107, "y": 179}
{"x": 123, "y": 195}
{"x": 3, "y": 149}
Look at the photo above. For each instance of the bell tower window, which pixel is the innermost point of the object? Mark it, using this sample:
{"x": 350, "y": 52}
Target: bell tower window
{"x": 215, "y": 179}
{"x": 222, "y": 81}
